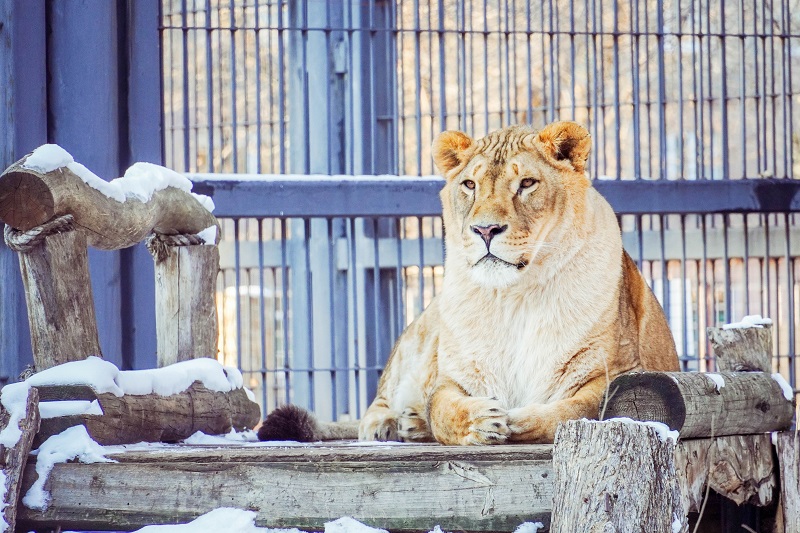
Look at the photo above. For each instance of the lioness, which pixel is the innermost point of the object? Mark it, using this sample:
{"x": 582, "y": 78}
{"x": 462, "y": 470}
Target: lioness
{"x": 541, "y": 307}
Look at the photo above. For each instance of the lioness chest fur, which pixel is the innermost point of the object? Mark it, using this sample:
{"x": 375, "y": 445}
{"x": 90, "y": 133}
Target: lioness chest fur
{"x": 540, "y": 309}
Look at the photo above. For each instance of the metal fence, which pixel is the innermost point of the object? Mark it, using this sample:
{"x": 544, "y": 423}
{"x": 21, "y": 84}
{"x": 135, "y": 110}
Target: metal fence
{"x": 319, "y": 275}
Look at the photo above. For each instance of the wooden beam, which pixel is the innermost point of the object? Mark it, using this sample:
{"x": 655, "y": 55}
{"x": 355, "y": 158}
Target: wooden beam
{"x": 58, "y": 292}
{"x": 14, "y": 458}
{"x": 746, "y": 349}
{"x": 697, "y": 406}
{"x": 396, "y": 487}
{"x": 595, "y": 465}
{"x": 788, "y": 445}
{"x": 29, "y": 198}
{"x": 149, "y": 417}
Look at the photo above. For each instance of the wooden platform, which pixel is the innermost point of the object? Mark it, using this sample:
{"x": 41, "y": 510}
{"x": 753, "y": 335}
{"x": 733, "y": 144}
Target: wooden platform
{"x": 396, "y": 487}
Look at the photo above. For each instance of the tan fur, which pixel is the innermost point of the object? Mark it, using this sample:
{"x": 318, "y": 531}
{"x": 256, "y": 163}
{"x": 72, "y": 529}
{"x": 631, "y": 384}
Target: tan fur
{"x": 530, "y": 336}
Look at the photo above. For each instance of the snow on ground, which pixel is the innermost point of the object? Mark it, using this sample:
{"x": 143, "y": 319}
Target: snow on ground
{"x": 14, "y": 398}
{"x": 529, "y": 527}
{"x": 788, "y": 391}
{"x": 750, "y": 321}
{"x": 662, "y": 430}
{"x": 140, "y": 181}
{"x": 72, "y": 443}
{"x": 719, "y": 381}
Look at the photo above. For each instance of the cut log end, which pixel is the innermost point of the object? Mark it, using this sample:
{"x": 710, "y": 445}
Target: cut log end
{"x": 645, "y": 396}
{"x": 25, "y": 200}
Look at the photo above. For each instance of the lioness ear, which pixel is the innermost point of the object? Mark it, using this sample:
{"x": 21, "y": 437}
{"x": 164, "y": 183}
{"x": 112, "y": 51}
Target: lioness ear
{"x": 565, "y": 141}
{"x": 450, "y": 149}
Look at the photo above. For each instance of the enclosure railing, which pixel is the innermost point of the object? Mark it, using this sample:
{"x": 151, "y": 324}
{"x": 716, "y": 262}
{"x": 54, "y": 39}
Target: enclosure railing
{"x": 320, "y": 274}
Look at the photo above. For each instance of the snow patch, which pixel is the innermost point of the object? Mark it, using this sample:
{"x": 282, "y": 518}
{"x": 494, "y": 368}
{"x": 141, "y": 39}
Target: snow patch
{"x": 223, "y": 519}
{"x": 47, "y": 158}
{"x": 93, "y": 371}
{"x": 109, "y": 189}
{"x": 69, "y": 408}
{"x": 750, "y": 321}
{"x": 72, "y": 443}
{"x": 350, "y": 525}
{"x": 774, "y": 438}
{"x": 677, "y": 524}
{"x": 788, "y": 391}
{"x": 662, "y": 430}
{"x": 719, "y": 381}
{"x": 209, "y": 235}
{"x": 14, "y": 398}
{"x": 205, "y": 201}
{"x": 529, "y": 527}
{"x": 141, "y": 180}
{"x": 200, "y": 438}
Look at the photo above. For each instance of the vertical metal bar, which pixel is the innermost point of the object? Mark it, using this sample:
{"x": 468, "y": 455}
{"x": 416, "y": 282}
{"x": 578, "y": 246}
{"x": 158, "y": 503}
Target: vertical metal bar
{"x": 442, "y": 78}
{"x": 742, "y": 91}
{"x": 261, "y": 314}
{"x": 726, "y": 172}
{"x": 418, "y": 84}
{"x": 238, "y": 277}
{"x": 617, "y": 117}
{"x": 281, "y": 93}
{"x": 681, "y": 149}
{"x": 309, "y": 310}
{"x": 662, "y": 100}
{"x": 351, "y": 238}
{"x": 400, "y": 278}
{"x": 287, "y": 367}
{"x": 257, "y": 29}
{"x": 332, "y": 268}
{"x": 684, "y": 314}
{"x": 726, "y": 257}
{"x": 234, "y": 119}
{"x": 421, "y": 243}
{"x": 209, "y": 89}
{"x": 185, "y": 84}
{"x": 746, "y": 266}
{"x": 790, "y": 300}
{"x": 636, "y": 96}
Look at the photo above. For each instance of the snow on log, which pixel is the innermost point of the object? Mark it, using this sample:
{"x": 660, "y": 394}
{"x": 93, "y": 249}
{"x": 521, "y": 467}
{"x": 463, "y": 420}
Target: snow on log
{"x": 151, "y": 417}
{"x": 594, "y": 464}
{"x": 113, "y": 215}
{"x": 742, "y": 348}
{"x": 695, "y": 404}
{"x": 398, "y": 487}
{"x": 19, "y": 422}
{"x": 788, "y": 446}
{"x": 58, "y": 293}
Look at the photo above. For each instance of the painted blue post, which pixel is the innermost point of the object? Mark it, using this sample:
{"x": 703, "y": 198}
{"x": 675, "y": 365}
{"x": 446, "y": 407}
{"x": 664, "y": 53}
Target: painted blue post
{"x": 23, "y": 127}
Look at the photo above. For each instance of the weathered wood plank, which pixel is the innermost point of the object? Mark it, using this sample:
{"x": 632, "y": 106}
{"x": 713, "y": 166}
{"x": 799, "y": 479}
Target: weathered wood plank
{"x": 58, "y": 294}
{"x": 14, "y": 459}
{"x": 696, "y": 406}
{"x": 745, "y": 349}
{"x": 788, "y": 445}
{"x": 154, "y": 418}
{"x": 186, "y": 317}
{"x": 595, "y": 465}
{"x": 402, "y": 487}
{"x": 739, "y": 467}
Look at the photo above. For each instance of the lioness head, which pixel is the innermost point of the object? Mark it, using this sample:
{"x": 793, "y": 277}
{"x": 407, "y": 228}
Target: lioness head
{"x": 512, "y": 199}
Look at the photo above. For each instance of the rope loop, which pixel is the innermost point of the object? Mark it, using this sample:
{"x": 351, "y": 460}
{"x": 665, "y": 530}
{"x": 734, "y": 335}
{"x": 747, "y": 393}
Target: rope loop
{"x": 25, "y": 241}
{"x": 158, "y": 244}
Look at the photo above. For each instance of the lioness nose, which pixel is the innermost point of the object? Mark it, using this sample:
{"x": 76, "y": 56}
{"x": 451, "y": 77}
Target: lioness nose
{"x": 487, "y": 233}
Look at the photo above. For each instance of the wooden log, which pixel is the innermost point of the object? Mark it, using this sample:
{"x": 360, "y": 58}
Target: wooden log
{"x": 396, "y": 487}
{"x": 186, "y": 315}
{"x": 594, "y": 464}
{"x": 15, "y": 458}
{"x": 695, "y": 405}
{"x": 58, "y": 291}
{"x": 739, "y": 467}
{"x": 743, "y": 349}
{"x": 149, "y": 417}
{"x": 29, "y": 198}
{"x": 788, "y": 447}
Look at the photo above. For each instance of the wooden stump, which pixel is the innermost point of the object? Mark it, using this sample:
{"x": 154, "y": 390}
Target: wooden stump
{"x": 186, "y": 316}
{"x": 14, "y": 458}
{"x": 615, "y": 476}
{"x": 696, "y": 405}
{"x": 745, "y": 349}
{"x": 150, "y": 417}
{"x": 58, "y": 291}
{"x": 788, "y": 445}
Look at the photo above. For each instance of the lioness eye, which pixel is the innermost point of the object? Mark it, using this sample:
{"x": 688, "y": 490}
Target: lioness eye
{"x": 469, "y": 184}
{"x": 527, "y": 182}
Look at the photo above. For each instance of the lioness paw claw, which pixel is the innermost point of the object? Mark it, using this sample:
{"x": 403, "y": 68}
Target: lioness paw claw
{"x": 379, "y": 428}
{"x": 488, "y": 424}
{"x": 411, "y": 427}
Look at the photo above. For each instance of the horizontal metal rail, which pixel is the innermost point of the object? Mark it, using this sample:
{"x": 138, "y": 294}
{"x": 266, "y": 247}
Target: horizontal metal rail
{"x": 369, "y": 196}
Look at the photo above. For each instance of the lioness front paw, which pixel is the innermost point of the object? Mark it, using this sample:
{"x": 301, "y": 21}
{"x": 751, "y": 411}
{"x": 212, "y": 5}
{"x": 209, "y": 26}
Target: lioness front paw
{"x": 380, "y": 426}
{"x": 485, "y": 421}
{"x": 412, "y": 427}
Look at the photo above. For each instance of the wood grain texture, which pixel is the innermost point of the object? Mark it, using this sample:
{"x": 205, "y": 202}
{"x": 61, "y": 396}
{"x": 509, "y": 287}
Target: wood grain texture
{"x": 739, "y": 467}
{"x": 29, "y": 198}
{"x": 788, "y": 445}
{"x": 690, "y": 402}
{"x": 401, "y": 487}
{"x": 614, "y": 476}
{"x": 746, "y": 349}
{"x": 58, "y": 294}
{"x": 153, "y": 418}
{"x": 14, "y": 459}
{"x": 186, "y": 316}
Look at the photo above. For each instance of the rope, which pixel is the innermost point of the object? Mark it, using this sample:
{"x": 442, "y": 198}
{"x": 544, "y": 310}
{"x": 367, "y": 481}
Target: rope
{"x": 158, "y": 244}
{"x": 25, "y": 241}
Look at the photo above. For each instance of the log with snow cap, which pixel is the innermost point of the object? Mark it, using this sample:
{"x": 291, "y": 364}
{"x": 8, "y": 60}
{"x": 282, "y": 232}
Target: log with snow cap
{"x": 113, "y": 215}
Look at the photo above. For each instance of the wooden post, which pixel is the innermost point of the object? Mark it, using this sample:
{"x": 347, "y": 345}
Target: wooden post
{"x": 186, "y": 315}
{"x": 55, "y": 273}
{"x": 744, "y": 349}
{"x": 788, "y": 445}
{"x": 702, "y": 405}
{"x": 615, "y": 476}
{"x": 14, "y": 458}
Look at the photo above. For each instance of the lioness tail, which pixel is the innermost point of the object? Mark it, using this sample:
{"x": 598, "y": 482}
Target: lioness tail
{"x": 290, "y": 422}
